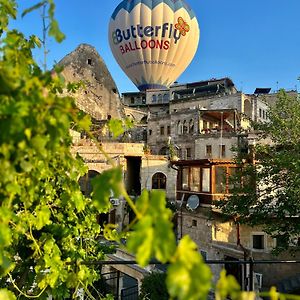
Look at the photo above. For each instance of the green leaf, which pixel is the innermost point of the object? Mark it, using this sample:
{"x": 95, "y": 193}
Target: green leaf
{"x": 227, "y": 286}
{"x": 116, "y": 127}
{"x": 187, "y": 264}
{"x": 42, "y": 217}
{"x": 32, "y": 8}
{"x": 153, "y": 235}
{"x": 55, "y": 32}
{"x": 105, "y": 185}
{"x": 6, "y": 295}
{"x": 5, "y": 235}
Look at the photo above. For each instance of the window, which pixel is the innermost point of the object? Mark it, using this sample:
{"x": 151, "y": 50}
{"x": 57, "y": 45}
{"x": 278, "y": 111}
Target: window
{"x": 222, "y": 150}
{"x": 206, "y": 180}
{"x": 185, "y": 127}
{"x": 144, "y": 100}
{"x": 194, "y": 223}
{"x": 203, "y": 254}
{"x": 233, "y": 183}
{"x": 179, "y": 153}
{"x": 208, "y": 150}
{"x": 220, "y": 180}
{"x": 168, "y": 130}
{"x": 179, "y": 127}
{"x": 150, "y": 131}
{"x": 154, "y": 99}
{"x": 260, "y": 112}
{"x": 132, "y": 100}
{"x": 191, "y": 126}
{"x": 159, "y": 181}
{"x": 188, "y": 153}
{"x": 258, "y": 241}
{"x": 164, "y": 151}
{"x": 159, "y": 98}
{"x": 195, "y": 179}
{"x": 162, "y": 130}
{"x": 166, "y": 98}
{"x": 264, "y": 114}
{"x": 185, "y": 179}
{"x": 89, "y": 61}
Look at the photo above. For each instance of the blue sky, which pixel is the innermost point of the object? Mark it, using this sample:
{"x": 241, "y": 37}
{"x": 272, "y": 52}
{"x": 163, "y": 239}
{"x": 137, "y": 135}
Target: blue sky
{"x": 256, "y": 42}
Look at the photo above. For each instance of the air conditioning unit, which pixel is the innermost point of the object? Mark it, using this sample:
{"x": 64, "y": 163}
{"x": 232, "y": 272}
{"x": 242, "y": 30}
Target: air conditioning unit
{"x": 258, "y": 278}
{"x": 114, "y": 201}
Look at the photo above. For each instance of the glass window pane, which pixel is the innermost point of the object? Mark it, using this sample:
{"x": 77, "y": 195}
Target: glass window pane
{"x": 185, "y": 179}
{"x": 195, "y": 179}
{"x": 205, "y": 180}
{"x": 220, "y": 180}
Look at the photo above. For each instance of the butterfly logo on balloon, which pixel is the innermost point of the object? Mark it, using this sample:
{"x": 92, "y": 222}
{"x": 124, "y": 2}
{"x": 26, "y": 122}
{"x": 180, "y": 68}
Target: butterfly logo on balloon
{"x": 182, "y": 26}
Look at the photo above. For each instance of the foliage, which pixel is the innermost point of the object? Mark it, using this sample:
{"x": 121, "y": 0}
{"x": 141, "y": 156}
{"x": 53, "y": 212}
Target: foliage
{"x": 154, "y": 287}
{"x": 46, "y": 224}
{"x": 267, "y": 189}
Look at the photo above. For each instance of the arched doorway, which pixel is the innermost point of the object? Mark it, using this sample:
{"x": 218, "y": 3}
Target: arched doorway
{"x": 86, "y": 189}
{"x": 159, "y": 181}
{"x": 85, "y": 182}
{"x": 247, "y": 108}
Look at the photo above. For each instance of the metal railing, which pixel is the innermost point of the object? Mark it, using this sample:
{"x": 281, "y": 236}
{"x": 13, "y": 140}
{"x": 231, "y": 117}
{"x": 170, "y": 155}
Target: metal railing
{"x": 131, "y": 292}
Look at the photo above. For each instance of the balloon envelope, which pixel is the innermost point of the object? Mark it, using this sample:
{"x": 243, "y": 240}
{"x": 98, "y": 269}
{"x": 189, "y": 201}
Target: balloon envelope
{"x": 153, "y": 40}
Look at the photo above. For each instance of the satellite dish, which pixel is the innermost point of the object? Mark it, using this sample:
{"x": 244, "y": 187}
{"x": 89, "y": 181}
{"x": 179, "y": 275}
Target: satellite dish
{"x": 193, "y": 202}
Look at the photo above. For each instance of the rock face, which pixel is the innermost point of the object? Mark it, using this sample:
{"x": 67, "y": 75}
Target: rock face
{"x": 100, "y": 96}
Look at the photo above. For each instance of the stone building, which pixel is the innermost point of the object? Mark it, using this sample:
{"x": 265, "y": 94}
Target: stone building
{"x": 197, "y": 123}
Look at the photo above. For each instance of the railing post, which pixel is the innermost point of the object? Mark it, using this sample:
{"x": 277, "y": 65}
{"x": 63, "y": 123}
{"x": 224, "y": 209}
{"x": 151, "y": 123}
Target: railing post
{"x": 251, "y": 273}
{"x": 118, "y": 284}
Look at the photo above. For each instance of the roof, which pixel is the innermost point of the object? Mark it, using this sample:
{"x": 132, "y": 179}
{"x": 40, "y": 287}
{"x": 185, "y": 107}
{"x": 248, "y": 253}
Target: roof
{"x": 262, "y": 90}
{"x": 202, "y": 162}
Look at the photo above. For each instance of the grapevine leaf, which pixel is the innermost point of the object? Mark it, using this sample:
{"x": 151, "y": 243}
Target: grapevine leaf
{"x": 153, "y": 235}
{"x": 105, "y": 185}
{"x": 227, "y": 286}
{"x": 116, "y": 127}
{"x": 42, "y": 217}
{"x": 32, "y": 8}
{"x": 6, "y": 295}
{"x": 187, "y": 264}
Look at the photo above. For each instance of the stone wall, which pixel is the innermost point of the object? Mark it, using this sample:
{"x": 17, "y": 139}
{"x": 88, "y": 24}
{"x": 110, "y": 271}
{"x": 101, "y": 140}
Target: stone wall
{"x": 152, "y": 164}
{"x": 215, "y": 141}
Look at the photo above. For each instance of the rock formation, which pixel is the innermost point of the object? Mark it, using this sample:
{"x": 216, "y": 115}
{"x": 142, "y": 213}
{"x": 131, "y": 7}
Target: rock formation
{"x": 100, "y": 97}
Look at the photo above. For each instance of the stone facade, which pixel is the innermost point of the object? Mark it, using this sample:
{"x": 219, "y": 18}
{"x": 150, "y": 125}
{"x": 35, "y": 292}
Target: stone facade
{"x": 200, "y": 120}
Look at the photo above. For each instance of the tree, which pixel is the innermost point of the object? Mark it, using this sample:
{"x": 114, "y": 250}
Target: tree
{"x": 154, "y": 287}
{"x": 267, "y": 184}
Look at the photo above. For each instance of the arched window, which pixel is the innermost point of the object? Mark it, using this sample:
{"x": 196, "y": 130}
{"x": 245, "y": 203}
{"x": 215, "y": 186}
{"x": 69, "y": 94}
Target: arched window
{"x": 144, "y": 120}
{"x": 154, "y": 99}
{"x": 191, "y": 126}
{"x": 159, "y": 181}
{"x": 179, "y": 128}
{"x": 166, "y": 98}
{"x": 164, "y": 151}
{"x": 185, "y": 127}
{"x": 85, "y": 182}
{"x": 159, "y": 98}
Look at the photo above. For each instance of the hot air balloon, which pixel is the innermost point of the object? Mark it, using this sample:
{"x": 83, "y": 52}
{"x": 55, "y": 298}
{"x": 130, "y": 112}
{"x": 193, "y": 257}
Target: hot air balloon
{"x": 153, "y": 40}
